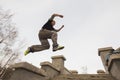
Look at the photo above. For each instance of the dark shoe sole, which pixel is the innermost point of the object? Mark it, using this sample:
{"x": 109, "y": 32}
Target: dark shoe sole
{"x": 59, "y": 49}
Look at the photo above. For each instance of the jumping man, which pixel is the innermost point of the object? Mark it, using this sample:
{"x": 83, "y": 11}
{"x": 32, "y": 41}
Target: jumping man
{"x": 47, "y": 32}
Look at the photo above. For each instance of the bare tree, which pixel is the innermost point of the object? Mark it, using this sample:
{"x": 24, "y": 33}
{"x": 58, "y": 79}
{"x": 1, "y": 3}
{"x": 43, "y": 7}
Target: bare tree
{"x": 8, "y": 36}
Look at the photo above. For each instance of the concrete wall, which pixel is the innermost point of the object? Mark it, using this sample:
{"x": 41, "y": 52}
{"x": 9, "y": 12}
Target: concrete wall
{"x": 23, "y": 74}
{"x": 49, "y": 71}
{"x": 56, "y": 67}
{"x": 26, "y": 71}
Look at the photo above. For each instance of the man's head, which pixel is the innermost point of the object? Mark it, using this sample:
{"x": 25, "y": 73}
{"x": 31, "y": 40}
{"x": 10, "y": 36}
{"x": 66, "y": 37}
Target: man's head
{"x": 53, "y": 22}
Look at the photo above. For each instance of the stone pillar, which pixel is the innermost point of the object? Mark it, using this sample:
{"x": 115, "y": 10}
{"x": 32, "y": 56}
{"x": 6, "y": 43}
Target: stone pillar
{"x": 114, "y": 66}
{"x": 50, "y": 69}
{"x": 103, "y": 52}
{"x": 58, "y": 61}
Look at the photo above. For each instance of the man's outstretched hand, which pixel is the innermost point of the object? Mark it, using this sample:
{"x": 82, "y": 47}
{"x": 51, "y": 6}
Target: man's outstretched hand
{"x": 59, "y": 28}
{"x": 62, "y": 26}
{"x": 61, "y": 16}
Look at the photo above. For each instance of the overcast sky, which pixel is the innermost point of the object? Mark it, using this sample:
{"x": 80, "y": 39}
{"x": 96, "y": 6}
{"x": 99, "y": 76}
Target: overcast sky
{"x": 89, "y": 25}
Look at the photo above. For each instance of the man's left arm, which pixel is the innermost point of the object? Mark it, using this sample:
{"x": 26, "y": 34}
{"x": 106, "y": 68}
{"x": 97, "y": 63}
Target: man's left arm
{"x": 55, "y": 15}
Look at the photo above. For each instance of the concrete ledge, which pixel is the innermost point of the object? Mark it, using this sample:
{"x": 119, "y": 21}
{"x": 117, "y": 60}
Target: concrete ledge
{"x": 46, "y": 63}
{"x": 29, "y": 67}
{"x": 59, "y": 56}
{"x": 104, "y": 49}
{"x": 118, "y": 49}
{"x": 74, "y": 71}
{"x": 100, "y": 71}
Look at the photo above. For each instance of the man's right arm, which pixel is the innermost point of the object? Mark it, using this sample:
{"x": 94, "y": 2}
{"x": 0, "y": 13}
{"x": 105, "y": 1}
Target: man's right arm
{"x": 55, "y": 15}
{"x": 57, "y": 30}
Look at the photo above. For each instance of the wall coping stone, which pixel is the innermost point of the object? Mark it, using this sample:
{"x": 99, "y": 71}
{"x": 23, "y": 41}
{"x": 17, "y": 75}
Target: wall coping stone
{"x": 29, "y": 67}
{"x": 104, "y": 49}
{"x": 100, "y": 71}
{"x": 74, "y": 71}
{"x": 58, "y": 56}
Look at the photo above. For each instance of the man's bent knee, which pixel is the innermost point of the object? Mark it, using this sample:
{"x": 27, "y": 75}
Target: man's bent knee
{"x": 46, "y": 46}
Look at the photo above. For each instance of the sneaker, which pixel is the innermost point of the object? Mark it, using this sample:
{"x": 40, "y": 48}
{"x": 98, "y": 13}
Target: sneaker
{"x": 58, "y": 48}
{"x": 27, "y": 51}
